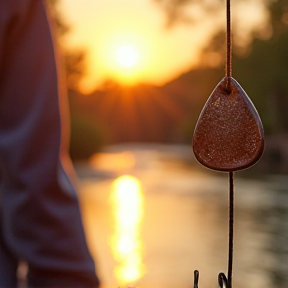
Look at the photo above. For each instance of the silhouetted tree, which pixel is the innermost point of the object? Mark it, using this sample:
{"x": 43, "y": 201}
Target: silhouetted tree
{"x": 264, "y": 72}
{"x": 86, "y": 137}
{"x": 179, "y": 10}
{"x": 74, "y": 59}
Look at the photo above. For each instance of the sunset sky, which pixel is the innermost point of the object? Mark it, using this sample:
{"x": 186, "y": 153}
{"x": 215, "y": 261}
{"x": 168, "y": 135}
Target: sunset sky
{"x": 127, "y": 41}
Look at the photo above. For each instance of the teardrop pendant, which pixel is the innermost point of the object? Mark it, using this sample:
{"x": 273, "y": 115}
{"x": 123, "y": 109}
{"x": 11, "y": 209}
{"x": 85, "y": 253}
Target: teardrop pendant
{"x": 229, "y": 135}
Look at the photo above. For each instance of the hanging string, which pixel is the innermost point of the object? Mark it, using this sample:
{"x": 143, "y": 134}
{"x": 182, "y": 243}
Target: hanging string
{"x": 228, "y": 40}
{"x": 231, "y": 174}
{"x": 231, "y": 228}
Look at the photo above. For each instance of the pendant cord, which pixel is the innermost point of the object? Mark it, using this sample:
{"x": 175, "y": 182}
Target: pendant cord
{"x": 231, "y": 227}
{"x": 231, "y": 174}
{"x": 228, "y": 40}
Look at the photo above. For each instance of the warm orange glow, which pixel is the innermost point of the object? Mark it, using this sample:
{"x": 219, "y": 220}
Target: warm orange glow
{"x": 101, "y": 27}
{"x": 127, "y": 201}
{"x": 127, "y": 56}
{"x": 115, "y": 162}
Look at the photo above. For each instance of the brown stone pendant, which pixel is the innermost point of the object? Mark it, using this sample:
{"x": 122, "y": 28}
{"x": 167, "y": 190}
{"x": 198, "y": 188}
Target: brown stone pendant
{"x": 229, "y": 135}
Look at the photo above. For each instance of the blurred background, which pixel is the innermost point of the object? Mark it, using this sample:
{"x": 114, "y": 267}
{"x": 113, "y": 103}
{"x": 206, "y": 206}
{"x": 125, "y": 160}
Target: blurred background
{"x": 138, "y": 73}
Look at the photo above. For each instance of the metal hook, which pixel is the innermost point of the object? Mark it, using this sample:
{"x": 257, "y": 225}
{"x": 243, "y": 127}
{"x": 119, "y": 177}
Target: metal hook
{"x": 222, "y": 280}
{"x": 196, "y": 278}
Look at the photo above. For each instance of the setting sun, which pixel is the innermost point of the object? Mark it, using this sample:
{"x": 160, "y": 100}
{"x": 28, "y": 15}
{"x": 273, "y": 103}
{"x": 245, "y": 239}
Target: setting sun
{"x": 126, "y": 41}
{"x": 127, "y": 56}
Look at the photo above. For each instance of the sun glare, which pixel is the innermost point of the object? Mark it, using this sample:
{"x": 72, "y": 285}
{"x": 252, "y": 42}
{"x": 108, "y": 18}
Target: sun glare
{"x": 127, "y": 56}
{"x": 126, "y": 244}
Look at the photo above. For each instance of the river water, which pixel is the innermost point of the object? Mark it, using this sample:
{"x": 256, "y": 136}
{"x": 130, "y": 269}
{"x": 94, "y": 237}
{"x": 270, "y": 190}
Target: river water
{"x": 152, "y": 216}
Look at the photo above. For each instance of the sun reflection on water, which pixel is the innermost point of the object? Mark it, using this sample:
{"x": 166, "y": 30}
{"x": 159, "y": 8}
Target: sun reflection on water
{"x": 127, "y": 248}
